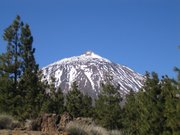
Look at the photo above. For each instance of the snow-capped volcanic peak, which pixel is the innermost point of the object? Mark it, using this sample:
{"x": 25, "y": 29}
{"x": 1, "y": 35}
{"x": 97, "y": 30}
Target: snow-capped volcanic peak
{"x": 89, "y": 70}
{"x": 87, "y": 56}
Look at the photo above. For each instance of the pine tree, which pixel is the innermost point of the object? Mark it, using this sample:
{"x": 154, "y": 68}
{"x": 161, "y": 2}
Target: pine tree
{"x": 130, "y": 114}
{"x": 87, "y": 108}
{"x": 143, "y": 110}
{"x": 10, "y": 72}
{"x": 29, "y": 81}
{"x": 20, "y": 85}
{"x": 54, "y": 100}
{"x": 6, "y": 94}
{"x": 10, "y": 61}
{"x": 154, "y": 109}
{"x": 170, "y": 95}
{"x": 107, "y": 107}
{"x": 152, "y": 106}
{"x": 77, "y": 104}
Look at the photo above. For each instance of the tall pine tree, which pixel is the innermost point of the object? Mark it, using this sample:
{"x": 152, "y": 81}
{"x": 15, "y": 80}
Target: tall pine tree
{"x": 10, "y": 68}
{"x": 11, "y": 63}
{"x": 54, "y": 99}
{"x": 77, "y": 104}
{"x": 171, "y": 97}
{"x": 155, "y": 109}
{"x": 21, "y": 90}
{"x": 107, "y": 107}
{"x": 147, "y": 109}
{"x": 29, "y": 83}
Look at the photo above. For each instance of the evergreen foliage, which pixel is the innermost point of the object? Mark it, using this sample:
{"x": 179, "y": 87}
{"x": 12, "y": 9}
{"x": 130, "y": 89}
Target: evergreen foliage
{"x": 11, "y": 61}
{"x": 154, "y": 109}
{"x": 171, "y": 97}
{"x": 77, "y": 104}
{"x": 130, "y": 115}
{"x": 29, "y": 81}
{"x": 54, "y": 100}
{"x": 88, "y": 109}
{"x": 107, "y": 107}
{"x": 10, "y": 68}
{"x": 20, "y": 86}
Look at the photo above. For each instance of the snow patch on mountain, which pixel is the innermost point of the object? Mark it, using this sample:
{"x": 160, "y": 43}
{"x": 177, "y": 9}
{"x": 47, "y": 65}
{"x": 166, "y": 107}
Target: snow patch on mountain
{"x": 90, "y": 70}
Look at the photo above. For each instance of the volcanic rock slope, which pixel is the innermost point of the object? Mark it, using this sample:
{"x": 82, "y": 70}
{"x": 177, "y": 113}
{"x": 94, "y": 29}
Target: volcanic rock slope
{"x": 90, "y": 70}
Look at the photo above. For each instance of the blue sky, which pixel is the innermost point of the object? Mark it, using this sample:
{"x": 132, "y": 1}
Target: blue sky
{"x": 142, "y": 34}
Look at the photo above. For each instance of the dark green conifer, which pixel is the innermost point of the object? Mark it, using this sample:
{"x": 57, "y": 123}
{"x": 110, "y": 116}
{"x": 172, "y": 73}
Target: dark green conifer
{"x": 107, "y": 107}
{"x": 77, "y": 104}
{"x": 154, "y": 109}
{"x": 130, "y": 114}
{"x": 20, "y": 87}
{"x": 54, "y": 99}
{"x": 10, "y": 68}
{"x": 170, "y": 95}
{"x": 87, "y": 108}
{"x": 29, "y": 81}
{"x": 147, "y": 109}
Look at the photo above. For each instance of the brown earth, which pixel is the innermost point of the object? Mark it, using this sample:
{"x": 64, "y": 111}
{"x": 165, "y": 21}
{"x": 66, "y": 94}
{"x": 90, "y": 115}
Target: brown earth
{"x": 21, "y": 132}
{"x": 46, "y": 124}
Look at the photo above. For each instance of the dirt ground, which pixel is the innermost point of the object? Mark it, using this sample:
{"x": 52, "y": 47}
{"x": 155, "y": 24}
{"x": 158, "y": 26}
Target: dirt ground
{"x": 21, "y": 132}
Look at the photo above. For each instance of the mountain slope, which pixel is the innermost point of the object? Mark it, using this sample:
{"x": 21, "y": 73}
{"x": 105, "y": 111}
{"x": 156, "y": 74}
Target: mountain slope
{"x": 89, "y": 70}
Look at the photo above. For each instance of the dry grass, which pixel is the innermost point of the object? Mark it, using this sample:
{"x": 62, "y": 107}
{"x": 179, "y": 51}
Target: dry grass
{"x": 76, "y": 128}
{"x": 115, "y": 132}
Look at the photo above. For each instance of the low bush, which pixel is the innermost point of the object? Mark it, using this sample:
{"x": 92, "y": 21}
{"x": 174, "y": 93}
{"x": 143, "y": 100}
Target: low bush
{"x": 115, "y": 132}
{"x": 8, "y": 122}
{"x": 75, "y": 128}
{"x": 79, "y": 128}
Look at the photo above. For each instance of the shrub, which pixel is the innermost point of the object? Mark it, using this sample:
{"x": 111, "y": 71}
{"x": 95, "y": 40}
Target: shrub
{"x": 8, "y": 122}
{"x": 75, "y": 128}
{"x": 115, "y": 132}
{"x": 96, "y": 130}
{"x": 33, "y": 125}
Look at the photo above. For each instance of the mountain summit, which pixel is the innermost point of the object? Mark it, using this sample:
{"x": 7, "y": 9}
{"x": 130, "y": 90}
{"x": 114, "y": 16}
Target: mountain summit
{"x": 90, "y": 70}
